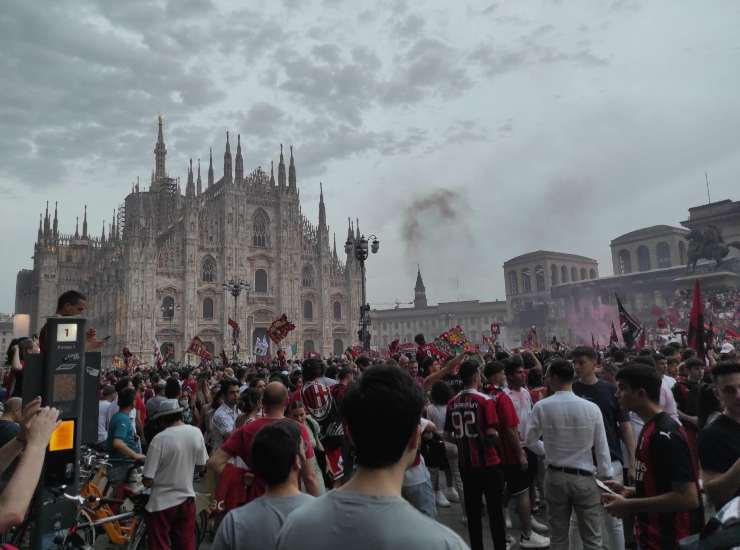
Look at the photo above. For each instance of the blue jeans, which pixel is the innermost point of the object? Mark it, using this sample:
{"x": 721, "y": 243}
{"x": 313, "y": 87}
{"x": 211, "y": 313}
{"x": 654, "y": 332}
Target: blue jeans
{"x": 421, "y": 497}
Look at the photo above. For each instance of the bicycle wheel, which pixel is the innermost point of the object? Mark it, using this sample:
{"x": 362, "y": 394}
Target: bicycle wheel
{"x": 85, "y": 533}
{"x": 138, "y": 539}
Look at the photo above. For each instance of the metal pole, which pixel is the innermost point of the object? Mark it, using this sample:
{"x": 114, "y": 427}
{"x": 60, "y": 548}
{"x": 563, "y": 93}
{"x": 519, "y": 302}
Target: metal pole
{"x": 235, "y": 292}
{"x": 363, "y": 310}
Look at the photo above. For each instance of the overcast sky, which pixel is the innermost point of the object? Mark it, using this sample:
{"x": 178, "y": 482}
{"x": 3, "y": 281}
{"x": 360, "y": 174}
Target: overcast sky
{"x": 461, "y": 133}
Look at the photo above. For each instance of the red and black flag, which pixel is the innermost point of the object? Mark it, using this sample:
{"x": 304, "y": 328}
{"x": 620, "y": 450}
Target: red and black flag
{"x": 632, "y": 332}
{"x": 697, "y": 336}
{"x": 613, "y": 338}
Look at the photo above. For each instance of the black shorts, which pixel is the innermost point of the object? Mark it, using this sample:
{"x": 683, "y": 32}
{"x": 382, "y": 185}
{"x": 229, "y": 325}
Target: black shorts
{"x": 517, "y": 480}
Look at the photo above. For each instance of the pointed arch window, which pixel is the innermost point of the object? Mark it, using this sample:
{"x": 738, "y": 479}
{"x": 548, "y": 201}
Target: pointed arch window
{"x": 337, "y": 311}
{"x": 261, "y": 229}
{"x": 208, "y": 271}
{"x": 260, "y": 281}
{"x": 308, "y": 278}
{"x": 308, "y": 310}
{"x": 208, "y": 309}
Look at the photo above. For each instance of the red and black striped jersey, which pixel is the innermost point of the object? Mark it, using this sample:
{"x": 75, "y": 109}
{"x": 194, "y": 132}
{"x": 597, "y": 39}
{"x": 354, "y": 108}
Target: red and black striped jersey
{"x": 470, "y": 415}
{"x": 663, "y": 458}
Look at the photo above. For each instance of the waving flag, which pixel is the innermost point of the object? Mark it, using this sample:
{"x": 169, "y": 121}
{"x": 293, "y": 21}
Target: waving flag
{"x": 613, "y": 338}
{"x": 158, "y": 359}
{"x": 632, "y": 332}
{"x": 697, "y": 336}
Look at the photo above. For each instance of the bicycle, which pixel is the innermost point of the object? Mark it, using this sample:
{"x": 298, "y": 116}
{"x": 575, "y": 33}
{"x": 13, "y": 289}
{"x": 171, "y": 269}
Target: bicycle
{"x": 82, "y": 534}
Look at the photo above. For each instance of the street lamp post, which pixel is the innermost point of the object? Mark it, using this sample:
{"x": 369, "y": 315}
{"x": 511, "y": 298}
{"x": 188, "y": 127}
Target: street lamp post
{"x": 235, "y": 287}
{"x": 360, "y": 248}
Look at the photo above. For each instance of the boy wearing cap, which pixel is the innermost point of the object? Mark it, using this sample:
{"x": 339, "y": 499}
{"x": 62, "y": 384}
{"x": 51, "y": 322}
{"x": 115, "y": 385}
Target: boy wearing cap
{"x": 170, "y": 464}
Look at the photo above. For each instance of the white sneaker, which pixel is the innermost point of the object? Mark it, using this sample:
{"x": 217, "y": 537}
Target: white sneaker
{"x": 452, "y": 495}
{"x": 442, "y": 501}
{"x": 534, "y": 541}
{"x": 539, "y": 526}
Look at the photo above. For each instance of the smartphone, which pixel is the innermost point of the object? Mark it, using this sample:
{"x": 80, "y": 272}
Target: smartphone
{"x": 604, "y": 487}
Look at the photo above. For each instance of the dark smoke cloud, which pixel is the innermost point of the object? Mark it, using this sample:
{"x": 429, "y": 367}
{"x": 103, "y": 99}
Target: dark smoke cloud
{"x": 426, "y": 212}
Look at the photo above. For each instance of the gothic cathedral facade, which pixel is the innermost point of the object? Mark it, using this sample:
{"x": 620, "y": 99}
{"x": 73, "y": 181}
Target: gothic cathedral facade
{"x": 158, "y": 275}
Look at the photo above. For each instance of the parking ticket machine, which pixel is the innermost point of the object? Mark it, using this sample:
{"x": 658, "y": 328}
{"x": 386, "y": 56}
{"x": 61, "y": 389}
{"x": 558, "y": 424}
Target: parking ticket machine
{"x": 58, "y": 376}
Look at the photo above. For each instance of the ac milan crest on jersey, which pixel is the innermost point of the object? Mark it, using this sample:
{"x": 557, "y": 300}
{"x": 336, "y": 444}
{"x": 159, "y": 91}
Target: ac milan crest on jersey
{"x": 317, "y": 399}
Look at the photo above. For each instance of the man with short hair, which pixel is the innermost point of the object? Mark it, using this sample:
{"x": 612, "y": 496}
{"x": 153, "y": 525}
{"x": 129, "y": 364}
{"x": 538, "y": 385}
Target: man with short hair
{"x": 661, "y": 364}
{"x": 107, "y": 396}
{"x": 224, "y": 419}
{"x": 153, "y": 403}
{"x": 687, "y": 392}
{"x": 665, "y": 501}
{"x": 172, "y": 457}
{"x": 239, "y": 443}
{"x": 369, "y": 509}
{"x": 719, "y": 442}
{"x": 73, "y": 304}
{"x": 571, "y": 429}
{"x": 472, "y": 423}
{"x": 514, "y": 459}
{"x": 618, "y": 430}
{"x": 122, "y": 442}
{"x": 278, "y": 455}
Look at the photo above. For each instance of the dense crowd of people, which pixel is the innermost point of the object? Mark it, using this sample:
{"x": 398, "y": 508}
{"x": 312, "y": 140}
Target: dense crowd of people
{"x": 574, "y": 448}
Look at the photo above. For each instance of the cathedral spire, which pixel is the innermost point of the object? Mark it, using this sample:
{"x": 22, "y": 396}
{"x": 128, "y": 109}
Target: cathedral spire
{"x": 322, "y": 208}
{"x": 357, "y": 230}
{"x": 112, "y": 228}
{"x": 77, "y": 227}
{"x": 420, "y": 293}
{"x": 281, "y": 170}
{"x": 47, "y": 222}
{"x": 41, "y": 233}
{"x": 84, "y": 224}
{"x": 56, "y": 221}
{"x": 291, "y": 172}
{"x": 350, "y": 231}
{"x": 239, "y": 167}
{"x": 198, "y": 183}
{"x": 228, "y": 174}
{"x": 272, "y": 173}
{"x": 210, "y": 166}
{"x": 160, "y": 152}
{"x": 190, "y": 188}
{"x": 102, "y": 235}
{"x": 334, "y": 253}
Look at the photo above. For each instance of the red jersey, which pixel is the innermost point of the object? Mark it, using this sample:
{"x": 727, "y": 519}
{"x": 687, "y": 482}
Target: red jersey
{"x": 470, "y": 414}
{"x": 507, "y": 418}
{"x": 140, "y": 407}
{"x": 239, "y": 444}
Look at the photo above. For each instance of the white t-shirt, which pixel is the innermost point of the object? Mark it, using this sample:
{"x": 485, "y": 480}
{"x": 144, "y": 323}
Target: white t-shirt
{"x": 522, "y": 401}
{"x": 171, "y": 459}
{"x": 103, "y": 406}
{"x": 669, "y": 381}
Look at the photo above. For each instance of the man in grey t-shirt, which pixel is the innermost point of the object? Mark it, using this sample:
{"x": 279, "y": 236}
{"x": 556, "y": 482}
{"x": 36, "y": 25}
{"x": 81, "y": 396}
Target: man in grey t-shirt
{"x": 382, "y": 412}
{"x": 277, "y": 456}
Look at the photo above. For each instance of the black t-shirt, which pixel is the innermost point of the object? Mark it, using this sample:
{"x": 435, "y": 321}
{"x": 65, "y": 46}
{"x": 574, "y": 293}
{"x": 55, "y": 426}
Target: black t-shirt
{"x": 719, "y": 445}
{"x": 604, "y": 395}
{"x": 453, "y": 381}
{"x": 663, "y": 458}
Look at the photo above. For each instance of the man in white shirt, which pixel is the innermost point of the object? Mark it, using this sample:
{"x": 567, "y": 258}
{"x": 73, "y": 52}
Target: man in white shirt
{"x": 170, "y": 464}
{"x": 571, "y": 429}
{"x": 224, "y": 419}
{"x": 107, "y": 396}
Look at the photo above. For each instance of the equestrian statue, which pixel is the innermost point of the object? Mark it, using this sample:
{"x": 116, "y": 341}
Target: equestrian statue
{"x": 707, "y": 244}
